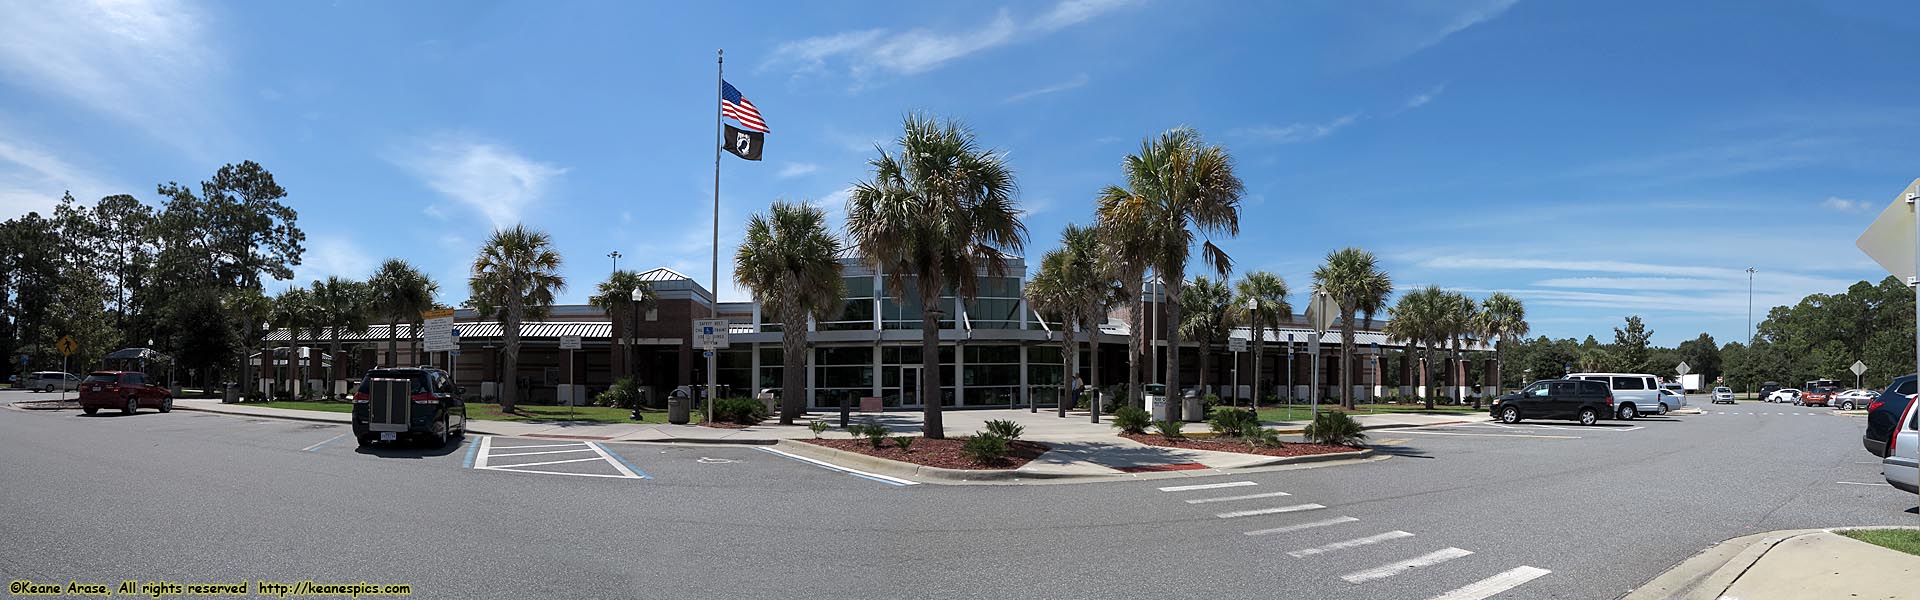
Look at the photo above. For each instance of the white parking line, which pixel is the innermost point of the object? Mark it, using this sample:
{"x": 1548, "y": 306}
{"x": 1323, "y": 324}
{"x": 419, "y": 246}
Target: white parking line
{"x": 1311, "y": 525}
{"x": 539, "y": 446}
{"x": 1270, "y": 511}
{"x": 1353, "y": 543}
{"x": 328, "y": 440}
{"x": 1207, "y": 486}
{"x": 1511, "y": 435}
{"x": 551, "y": 462}
{"x": 1858, "y": 483}
{"x": 1388, "y": 570}
{"x": 545, "y": 452}
{"x": 1233, "y": 498}
{"x": 484, "y": 455}
{"x": 1481, "y": 589}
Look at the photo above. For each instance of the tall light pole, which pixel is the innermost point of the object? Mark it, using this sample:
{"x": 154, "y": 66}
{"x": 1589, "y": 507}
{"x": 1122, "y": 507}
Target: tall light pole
{"x": 615, "y": 255}
{"x": 1743, "y": 384}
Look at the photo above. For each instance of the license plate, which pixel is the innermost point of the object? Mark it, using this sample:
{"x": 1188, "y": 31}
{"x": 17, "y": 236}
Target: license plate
{"x": 386, "y": 436}
{"x": 96, "y": 388}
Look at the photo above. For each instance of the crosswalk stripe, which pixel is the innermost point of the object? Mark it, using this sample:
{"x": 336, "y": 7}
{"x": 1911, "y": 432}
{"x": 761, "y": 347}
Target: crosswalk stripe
{"x": 1270, "y": 511}
{"x": 1493, "y": 585}
{"x": 1391, "y": 569}
{"x": 1207, "y": 486}
{"x": 1233, "y": 498}
{"x": 1353, "y": 543}
{"x": 498, "y": 455}
{"x": 1310, "y": 525}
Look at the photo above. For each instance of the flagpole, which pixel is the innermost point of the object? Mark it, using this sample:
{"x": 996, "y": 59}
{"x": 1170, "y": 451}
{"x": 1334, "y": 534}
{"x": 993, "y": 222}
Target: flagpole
{"x": 719, "y": 86}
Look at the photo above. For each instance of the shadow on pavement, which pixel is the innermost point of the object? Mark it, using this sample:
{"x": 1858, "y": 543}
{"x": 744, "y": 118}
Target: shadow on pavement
{"x": 1399, "y": 450}
{"x": 1118, "y": 456}
{"x": 409, "y": 449}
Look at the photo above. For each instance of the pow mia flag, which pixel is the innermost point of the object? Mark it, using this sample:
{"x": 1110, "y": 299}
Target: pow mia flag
{"x": 744, "y": 144}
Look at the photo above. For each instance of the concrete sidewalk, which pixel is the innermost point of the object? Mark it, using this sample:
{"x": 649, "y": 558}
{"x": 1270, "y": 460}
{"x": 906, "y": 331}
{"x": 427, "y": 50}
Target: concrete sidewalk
{"x": 1789, "y": 564}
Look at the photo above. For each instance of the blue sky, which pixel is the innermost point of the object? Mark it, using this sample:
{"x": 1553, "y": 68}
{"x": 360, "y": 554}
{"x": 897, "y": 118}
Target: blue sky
{"x": 1594, "y": 159}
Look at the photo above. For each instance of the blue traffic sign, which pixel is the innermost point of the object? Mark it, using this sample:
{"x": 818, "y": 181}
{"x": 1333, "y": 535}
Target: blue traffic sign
{"x": 24, "y": 358}
{"x": 707, "y": 354}
{"x": 706, "y": 331}
{"x": 455, "y": 332}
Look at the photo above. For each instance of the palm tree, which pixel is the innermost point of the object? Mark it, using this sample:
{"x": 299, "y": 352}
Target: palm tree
{"x": 935, "y": 217}
{"x": 1352, "y": 277}
{"x": 1052, "y": 294}
{"x": 1461, "y": 314}
{"x": 1204, "y": 305}
{"x": 1075, "y": 285}
{"x": 1261, "y": 304}
{"x": 292, "y": 310}
{"x": 1504, "y": 318}
{"x": 616, "y": 297}
{"x": 341, "y": 306}
{"x": 1187, "y": 185}
{"x": 400, "y": 292}
{"x": 1420, "y": 318}
{"x": 515, "y": 277}
{"x": 791, "y": 262}
{"x": 252, "y": 308}
{"x": 1125, "y": 221}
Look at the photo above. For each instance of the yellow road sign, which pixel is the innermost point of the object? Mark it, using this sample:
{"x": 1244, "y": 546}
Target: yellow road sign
{"x": 66, "y": 345}
{"x": 444, "y": 313}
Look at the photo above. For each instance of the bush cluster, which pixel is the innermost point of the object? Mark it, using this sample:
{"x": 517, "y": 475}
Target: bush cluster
{"x": 985, "y": 448}
{"x": 1008, "y": 430}
{"x": 743, "y": 411}
{"x": 625, "y": 393}
{"x": 1169, "y": 429}
{"x": 1335, "y": 427}
{"x": 1132, "y": 419}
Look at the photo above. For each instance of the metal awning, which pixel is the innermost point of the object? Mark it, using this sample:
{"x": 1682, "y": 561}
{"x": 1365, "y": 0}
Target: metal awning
{"x": 533, "y": 330}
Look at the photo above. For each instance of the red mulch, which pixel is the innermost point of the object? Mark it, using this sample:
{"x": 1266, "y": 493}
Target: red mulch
{"x": 944, "y": 453}
{"x": 1235, "y": 445}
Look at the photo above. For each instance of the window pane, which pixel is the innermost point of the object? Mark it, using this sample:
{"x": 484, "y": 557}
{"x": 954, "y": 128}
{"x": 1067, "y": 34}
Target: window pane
{"x": 1628, "y": 383}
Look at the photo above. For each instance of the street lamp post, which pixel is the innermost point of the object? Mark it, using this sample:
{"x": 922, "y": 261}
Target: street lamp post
{"x": 1743, "y": 385}
{"x": 615, "y": 255}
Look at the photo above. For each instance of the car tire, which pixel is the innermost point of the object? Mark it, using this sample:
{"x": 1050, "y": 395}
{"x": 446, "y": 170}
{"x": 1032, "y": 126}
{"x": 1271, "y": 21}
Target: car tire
{"x": 1589, "y": 416}
{"x": 91, "y": 409}
{"x": 48, "y": 389}
{"x": 1627, "y": 413}
{"x": 1664, "y": 408}
{"x": 1510, "y": 415}
{"x": 133, "y": 406}
{"x": 166, "y": 405}
{"x": 1848, "y": 405}
{"x": 443, "y": 435}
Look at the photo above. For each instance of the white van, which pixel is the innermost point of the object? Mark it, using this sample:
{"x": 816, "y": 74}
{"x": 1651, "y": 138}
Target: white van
{"x": 1636, "y": 394}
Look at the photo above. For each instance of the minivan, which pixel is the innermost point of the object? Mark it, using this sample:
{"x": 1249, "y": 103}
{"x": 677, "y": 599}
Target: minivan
{"x": 47, "y": 381}
{"x": 1901, "y": 467}
{"x": 421, "y": 404}
{"x": 1634, "y": 394}
{"x": 1586, "y": 401}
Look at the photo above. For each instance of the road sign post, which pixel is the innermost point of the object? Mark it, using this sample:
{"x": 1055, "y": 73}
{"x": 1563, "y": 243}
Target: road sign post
{"x": 710, "y": 335}
{"x": 66, "y": 346}
{"x": 1858, "y": 369}
{"x": 1891, "y": 241}
{"x": 1236, "y": 345}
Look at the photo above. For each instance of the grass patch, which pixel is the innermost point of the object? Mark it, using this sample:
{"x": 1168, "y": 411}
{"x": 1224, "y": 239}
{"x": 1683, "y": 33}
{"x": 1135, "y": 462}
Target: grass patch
{"x": 1904, "y": 540}
{"x": 524, "y": 413}
{"x": 1305, "y": 413}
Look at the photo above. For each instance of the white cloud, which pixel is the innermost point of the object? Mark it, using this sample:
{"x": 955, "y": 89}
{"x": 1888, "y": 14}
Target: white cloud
{"x": 1836, "y": 203}
{"x": 1076, "y": 81}
{"x": 1298, "y": 132}
{"x": 1421, "y": 99}
{"x": 149, "y": 63}
{"x": 1390, "y": 30}
{"x": 797, "y": 169}
{"x": 32, "y": 179}
{"x": 488, "y": 178}
{"x": 330, "y": 255}
{"x": 1625, "y": 283}
{"x": 868, "y": 52}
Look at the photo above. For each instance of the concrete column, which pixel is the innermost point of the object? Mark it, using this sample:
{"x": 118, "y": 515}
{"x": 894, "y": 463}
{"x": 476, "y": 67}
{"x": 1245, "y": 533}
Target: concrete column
{"x": 1026, "y": 395}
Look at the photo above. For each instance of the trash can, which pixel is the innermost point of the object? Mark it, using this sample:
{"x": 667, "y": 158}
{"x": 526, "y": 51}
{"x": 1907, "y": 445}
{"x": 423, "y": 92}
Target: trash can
{"x": 677, "y": 407}
{"x": 230, "y": 394}
{"x": 1158, "y": 405}
{"x": 1192, "y": 408}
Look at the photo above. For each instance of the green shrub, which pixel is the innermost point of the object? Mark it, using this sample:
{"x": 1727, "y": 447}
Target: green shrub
{"x": 1209, "y": 401}
{"x": 1255, "y": 435}
{"x": 1006, "y": 429}
{"x": 1169, "y": 429}
{"x": 905, "y": 442}
{"x": 1132, "y": 419}
{"x": 743, "y": 411}
{"x": 985, "y": 448}
{"x": 876, "y": 434}
{"x": 1335, "y": 427}
{"x": 1227, "y": 420}
{"x": 818, "y": 428}
{"x": 625, "y": 393}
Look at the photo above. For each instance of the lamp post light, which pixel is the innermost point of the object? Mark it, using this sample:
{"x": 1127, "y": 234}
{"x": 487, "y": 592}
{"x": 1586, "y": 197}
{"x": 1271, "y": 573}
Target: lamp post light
{"x": 615, "y": 255}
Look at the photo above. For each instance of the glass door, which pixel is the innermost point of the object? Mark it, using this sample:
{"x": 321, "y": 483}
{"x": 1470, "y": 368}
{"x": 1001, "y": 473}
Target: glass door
{"x": 910, "y": 385}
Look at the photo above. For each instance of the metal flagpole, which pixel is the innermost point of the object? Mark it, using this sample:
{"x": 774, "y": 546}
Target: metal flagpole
{"x": 719, "y": 138}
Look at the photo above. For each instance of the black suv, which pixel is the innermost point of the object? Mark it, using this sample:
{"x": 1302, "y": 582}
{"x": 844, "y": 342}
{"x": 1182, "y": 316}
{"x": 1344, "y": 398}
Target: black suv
{"x": 1883, "y": 414}
{"x": 1585, "y": 401}
{"x": 1767, "y": 389}
{"x": 420, "y": 403}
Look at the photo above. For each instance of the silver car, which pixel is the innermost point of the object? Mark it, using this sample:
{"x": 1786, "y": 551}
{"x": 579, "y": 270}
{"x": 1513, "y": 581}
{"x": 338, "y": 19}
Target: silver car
{"x": 48, "y": 381}
{"x": 1901, "y": 467}
{"x": 1723, "y": 394}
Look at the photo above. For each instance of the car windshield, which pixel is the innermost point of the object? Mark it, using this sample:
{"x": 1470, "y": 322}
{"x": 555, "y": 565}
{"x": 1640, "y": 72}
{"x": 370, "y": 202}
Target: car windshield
{"x": 1720, "y": 390}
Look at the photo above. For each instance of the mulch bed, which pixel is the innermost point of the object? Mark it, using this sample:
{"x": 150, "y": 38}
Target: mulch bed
{"x": 944, "y": 453}
{"x": 1235, "y": 445}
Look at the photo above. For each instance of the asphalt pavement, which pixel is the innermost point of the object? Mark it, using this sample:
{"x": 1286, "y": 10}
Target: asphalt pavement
{"x": 1535, "y": 510}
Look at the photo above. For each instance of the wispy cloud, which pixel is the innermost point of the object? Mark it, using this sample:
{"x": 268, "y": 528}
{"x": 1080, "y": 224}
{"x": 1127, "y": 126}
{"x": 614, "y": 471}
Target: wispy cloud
{"x": 1076, "y": 81}
{"x": 331, "y": 255}
{"x": 148, "y": 63}
{"x": 33, "y": 179}
{"x": 1421, "y": 99}
{"x": 1297, "y": 132}
{"x": 1836, "y": 203}
{"x": 488, "y": 178}
{"x": 869, "y": 52}
{"x": 1647, "y": 286}
{"x": 797, "y": 169}
{"x": 1396, "y": 29}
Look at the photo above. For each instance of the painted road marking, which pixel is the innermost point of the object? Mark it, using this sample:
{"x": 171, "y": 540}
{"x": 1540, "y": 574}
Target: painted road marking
{"x": 1291, "y": 528}
{"x": 619, "y": 462}
{"x": 1233, "y": 498}
{"x": 1388, "y": 570}
{"x": 1353, "y": 543}
{"x": 317, "y": 446}
{"x": 1207, "y": 486}
{"x": 1507, "y": 435}
{"x": 472, "y": 449}
{"x": 550, "y": 462}
{"x": 541, "y": 452}
{"x": 1858, "y": 483}
{"x": 1270, "y": 511}
{"x": 481, "y": 457}
{"x": 896, "y": 481}
{"x": 1481, "y": 589}
{"x": 538, "y": 446}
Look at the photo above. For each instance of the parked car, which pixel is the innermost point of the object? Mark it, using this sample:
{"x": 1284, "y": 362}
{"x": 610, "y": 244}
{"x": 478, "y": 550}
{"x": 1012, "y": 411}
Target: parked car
{"x": 1586, "y": 401}
{"x": 49, "y": 381}
{"x": 1767, "y": 389}
{"x": 1901, "y": 466}
{"x": 1855, "y": 398}
{"x": 1784, "y": 395}
{"x": 1820, "y": 396}
{"x": 1670, "y": 400}
{"x": 1634, "y": 394}
{"x": 124, "y": 390}
{"x": 1723, "y": 394}
{"x": 1884, "y": 412}
{"x": 427, "y": 407}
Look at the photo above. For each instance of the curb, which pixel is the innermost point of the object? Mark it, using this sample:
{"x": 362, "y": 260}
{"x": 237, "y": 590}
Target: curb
{"x": 894, "y": 468}
{"x": 1708, "y": 574}
{"x": 307, "y": 419}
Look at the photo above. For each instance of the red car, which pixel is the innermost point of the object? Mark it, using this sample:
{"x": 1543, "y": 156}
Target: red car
{"x": 1820, "y": 396}
{"x": 124, "y": 390}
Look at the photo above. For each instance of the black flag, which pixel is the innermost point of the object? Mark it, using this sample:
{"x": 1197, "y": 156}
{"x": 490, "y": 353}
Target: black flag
{"x": 744, "y": 144}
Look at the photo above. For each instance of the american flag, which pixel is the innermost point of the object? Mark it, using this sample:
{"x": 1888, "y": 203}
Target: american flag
{"x": 732, "y": 104}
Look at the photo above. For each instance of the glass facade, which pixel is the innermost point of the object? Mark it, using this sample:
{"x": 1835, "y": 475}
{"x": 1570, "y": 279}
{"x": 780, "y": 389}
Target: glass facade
{"x": 996, "y": 304}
